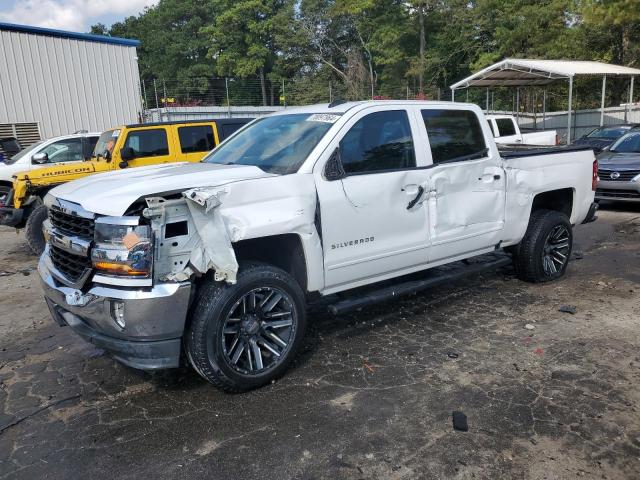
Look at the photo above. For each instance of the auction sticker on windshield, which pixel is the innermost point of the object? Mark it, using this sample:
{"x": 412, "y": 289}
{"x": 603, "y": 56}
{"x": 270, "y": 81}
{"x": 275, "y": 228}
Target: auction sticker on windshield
{"x": 323, "y": 117}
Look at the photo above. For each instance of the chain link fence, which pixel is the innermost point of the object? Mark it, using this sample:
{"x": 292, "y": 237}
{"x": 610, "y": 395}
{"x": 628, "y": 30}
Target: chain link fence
{"x": 235, "y": 92}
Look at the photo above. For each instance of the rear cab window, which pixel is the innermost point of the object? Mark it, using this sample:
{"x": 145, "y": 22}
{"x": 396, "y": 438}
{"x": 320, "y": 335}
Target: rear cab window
{"x": 454, "y": 135}
{"x": 196, "y": 138}
{"x": 506, "y": 127}
{"x": 378, "y": 142}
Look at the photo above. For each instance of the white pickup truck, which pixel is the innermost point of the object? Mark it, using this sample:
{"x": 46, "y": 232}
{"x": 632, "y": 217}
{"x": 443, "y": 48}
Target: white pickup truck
{"x": 505, "y": 130}
{"x": 217, "y": 260}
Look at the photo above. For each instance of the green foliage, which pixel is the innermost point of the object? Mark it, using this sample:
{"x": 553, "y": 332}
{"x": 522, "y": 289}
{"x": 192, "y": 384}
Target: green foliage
{"x": 365, "y": 47}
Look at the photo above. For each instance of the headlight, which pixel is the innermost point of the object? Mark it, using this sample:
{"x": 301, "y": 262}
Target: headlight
{"x": 122, "y": 247}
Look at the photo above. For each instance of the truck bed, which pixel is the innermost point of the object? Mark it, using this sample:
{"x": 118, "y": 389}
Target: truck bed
{"x": 519, "y": 150}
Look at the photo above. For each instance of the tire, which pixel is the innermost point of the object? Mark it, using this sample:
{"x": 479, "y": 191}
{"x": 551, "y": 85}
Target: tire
{"x": 33, "y": 229}
{"x": 4, "y": 194}
{"x": 549, "y": 238}
{"x": 217, "y": 357}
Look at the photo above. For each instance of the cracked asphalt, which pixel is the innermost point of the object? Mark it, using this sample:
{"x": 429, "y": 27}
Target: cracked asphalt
{"x": 370, "y": 396}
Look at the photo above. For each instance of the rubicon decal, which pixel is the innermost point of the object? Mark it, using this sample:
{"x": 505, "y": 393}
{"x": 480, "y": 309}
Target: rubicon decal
{"x": 352, "y": 243}
{"x": 67, "y": 171}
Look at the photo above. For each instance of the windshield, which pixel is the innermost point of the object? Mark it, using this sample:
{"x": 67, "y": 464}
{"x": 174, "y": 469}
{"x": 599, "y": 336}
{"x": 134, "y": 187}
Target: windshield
{"x": 609, "y": 133}
{"x": 105, "y": 144}
{"x": 278, "y": 144}
{"x": 630, "y": 143}
{"x": 22, "y": 153}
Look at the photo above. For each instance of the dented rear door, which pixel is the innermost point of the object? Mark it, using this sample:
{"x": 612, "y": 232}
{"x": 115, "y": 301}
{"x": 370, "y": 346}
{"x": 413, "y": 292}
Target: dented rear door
{"x": 466, "y": 194}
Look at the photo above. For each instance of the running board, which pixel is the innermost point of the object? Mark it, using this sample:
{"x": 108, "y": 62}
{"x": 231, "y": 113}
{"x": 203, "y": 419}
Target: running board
{"x": 405, "y": 288}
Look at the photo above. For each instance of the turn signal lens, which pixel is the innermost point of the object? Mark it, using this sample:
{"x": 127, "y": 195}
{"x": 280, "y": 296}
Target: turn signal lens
{"x": 594, "y": 178}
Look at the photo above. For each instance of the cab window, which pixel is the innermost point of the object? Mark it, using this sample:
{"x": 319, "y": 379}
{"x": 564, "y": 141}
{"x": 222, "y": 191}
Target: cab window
{"x": 506, "y": 127}
{"x": 493, "y": 132}
{"x": 230, "y": 128}
{"x": 148, "y": 143}
{"x": 378, "y": 142}
{"x": 69, "y": 150}
{"x": 196, "y": 139}
{"x": 454, "y": 135}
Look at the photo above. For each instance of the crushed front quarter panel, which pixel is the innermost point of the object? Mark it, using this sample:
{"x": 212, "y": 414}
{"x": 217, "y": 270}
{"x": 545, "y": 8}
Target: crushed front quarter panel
{"x": 219, "y": 216}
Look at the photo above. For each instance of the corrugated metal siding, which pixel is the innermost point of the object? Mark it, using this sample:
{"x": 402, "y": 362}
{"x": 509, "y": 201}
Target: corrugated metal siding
{"x": 26, "y": 133}
{"x": 67, "y": 85}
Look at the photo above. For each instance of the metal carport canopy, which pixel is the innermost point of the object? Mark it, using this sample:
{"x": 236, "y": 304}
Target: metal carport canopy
{"x": 514, "y": 72}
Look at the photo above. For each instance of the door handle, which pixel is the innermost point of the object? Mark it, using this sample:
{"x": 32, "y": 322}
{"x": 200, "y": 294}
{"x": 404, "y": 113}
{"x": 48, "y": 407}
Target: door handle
{"x": 416, "y": 199}
{"x": 496, "y": 177}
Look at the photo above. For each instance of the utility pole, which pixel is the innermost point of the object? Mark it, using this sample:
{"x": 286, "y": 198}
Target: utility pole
{"x": 155, "y": 89}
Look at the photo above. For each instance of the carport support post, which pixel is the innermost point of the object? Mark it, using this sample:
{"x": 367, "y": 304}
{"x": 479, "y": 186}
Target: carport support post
{"x": 569, "y": 110}
{"x": 487, "y": 100}
{"x": 604, "y": 91}
{"x": 628, "y": 109}
{"x": 518, "y": 105}
{"x": 453, "y": 95}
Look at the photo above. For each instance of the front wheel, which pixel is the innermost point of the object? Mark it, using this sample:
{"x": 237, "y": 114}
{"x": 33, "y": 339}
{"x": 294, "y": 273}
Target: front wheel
{"x": 245, "y": 335}
{"x": 543, "y": 254}
{"x": 34, "y": 230}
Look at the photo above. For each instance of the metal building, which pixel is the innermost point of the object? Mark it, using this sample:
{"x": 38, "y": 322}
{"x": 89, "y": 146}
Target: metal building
{"x": 66, "y": 81}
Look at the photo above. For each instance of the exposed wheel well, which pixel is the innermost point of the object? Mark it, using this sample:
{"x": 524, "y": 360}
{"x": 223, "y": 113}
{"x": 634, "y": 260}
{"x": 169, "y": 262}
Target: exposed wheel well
{"x": 282, "y": 251}
{"x": 559, "y": 200}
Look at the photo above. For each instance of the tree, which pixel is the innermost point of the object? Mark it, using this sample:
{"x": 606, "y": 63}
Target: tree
{"x": 242, "y": 39}
{"x": 172, "y": 48}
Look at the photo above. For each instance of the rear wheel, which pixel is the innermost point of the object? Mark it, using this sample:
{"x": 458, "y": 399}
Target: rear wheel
{"x": 243, "y": 336}
{"x": 543, "y": 254}
{"x": 34, "y": 231}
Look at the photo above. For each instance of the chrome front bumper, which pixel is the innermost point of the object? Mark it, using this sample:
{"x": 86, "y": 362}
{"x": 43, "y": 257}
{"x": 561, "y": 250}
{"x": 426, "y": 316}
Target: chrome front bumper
{"x": 154, "y": 318}
{"x": 618, "y": 191}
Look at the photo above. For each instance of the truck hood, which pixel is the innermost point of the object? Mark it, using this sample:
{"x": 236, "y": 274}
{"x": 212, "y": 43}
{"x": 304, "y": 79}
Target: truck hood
{"x": 619, "y": 161}
{"x": 113, "y": 193}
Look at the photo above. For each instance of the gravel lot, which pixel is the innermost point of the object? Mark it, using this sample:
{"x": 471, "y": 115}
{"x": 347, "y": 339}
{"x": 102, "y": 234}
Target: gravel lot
{"x": 371, "y": 396}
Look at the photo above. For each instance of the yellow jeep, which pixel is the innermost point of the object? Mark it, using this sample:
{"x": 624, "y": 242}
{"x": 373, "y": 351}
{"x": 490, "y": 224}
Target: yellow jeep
{"x": 122, "y": 147}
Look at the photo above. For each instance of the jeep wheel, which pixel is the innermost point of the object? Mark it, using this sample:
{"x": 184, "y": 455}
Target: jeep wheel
{"x": 543, "y": 254}
{"x": 34, "y": 232}
{"x": 243, "y": 336}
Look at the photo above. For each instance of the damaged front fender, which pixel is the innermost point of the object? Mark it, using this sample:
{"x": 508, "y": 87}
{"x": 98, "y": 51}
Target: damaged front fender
{"x": 217, "y": 217}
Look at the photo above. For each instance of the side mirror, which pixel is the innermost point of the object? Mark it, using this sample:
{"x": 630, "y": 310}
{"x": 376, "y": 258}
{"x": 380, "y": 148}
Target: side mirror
{"x": 333, "y": 170}
{"x": 40, "y": 158}
{"x": 127, "y": 153}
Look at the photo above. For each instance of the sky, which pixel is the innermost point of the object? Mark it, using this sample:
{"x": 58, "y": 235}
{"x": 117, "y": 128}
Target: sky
{"x": 73, "y": 15}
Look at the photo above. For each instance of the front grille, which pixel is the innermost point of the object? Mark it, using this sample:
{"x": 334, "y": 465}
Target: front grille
{"x": 70, "y": 265}
{"x": 72, "y": 224}
{"x": 610, "y": 193}
{"x": 625, "y": 175}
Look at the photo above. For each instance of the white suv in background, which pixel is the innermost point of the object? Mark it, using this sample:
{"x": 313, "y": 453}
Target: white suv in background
{"x": 64, "y": 149}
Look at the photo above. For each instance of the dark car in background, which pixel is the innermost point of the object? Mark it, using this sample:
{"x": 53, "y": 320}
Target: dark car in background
{"x": 619, "y": 170}
{"x": 602, "y": 137}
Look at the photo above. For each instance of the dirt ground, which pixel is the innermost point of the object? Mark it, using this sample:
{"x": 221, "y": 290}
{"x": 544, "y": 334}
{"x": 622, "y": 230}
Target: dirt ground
{"x": 372, "y": 394}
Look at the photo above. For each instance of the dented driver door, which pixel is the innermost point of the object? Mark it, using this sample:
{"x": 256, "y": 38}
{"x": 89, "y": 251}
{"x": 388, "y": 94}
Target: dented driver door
{"x": 373, "y": 220}
{"x": 466, "y": 194}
